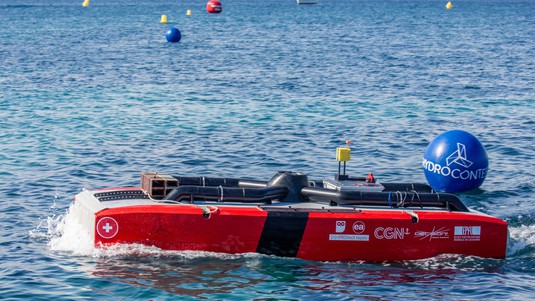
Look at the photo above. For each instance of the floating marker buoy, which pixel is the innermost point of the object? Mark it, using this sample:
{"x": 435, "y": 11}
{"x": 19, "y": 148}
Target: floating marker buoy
{"x": 163, "y": 20}
{"x": 188, "y": 12}
{"x": 455, "y": 161}
{"x": 214, "y": 7}
{"x": 86, "y": 3}
{"x": 448, "y": 5}
{"x": 173, "y": 35}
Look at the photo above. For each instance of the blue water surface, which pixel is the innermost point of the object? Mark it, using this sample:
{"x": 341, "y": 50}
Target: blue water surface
{"x": 91, "y": 96}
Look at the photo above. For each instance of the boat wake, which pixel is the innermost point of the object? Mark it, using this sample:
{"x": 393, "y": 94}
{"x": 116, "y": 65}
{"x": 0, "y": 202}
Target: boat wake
{"x": 521, "y": 240}
{"x": 63, "y": 233}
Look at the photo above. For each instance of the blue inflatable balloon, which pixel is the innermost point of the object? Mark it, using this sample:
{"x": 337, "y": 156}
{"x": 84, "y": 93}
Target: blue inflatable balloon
{"x": 173, "y": 35}
{"x": 455, "y": 161}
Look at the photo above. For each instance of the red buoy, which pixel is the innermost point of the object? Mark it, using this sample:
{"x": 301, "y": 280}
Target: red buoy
{"x": 213, "y": 7}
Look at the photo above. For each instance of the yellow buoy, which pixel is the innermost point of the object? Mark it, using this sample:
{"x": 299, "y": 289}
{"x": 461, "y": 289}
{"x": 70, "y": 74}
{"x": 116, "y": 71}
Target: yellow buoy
{"x": 449, "y": 6}
{"x": 164, "y": 19}
{"x": 188, "y": 12}
{"x": 86, "y": 3}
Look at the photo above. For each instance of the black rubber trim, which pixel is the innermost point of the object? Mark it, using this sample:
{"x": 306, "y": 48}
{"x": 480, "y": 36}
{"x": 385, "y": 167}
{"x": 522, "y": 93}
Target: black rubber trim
{"x": 120, "y": 195}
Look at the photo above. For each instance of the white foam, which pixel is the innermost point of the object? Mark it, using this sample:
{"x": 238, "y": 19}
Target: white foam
{"x": 122, "y": 250}
{"x": 68, "y": 235}
{"x": 520, "y": 238}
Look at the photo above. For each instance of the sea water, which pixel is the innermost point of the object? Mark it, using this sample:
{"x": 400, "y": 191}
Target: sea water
{"x": 91, "y": 96}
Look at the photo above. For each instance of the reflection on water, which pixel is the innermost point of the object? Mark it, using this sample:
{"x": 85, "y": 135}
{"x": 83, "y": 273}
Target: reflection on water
{"x": 181, "y": 276}
{"x": 248, "y": 276}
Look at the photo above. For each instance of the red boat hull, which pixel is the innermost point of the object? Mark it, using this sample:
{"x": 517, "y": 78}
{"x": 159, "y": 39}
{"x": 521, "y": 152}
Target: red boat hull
{"x": 324, "y": 233}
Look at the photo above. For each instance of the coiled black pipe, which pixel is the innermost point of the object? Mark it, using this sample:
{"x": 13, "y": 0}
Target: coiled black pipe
{"x": 225, "y": 182}
{"x": 227, "y": 194}
{"x": 236, "y": 182}
{"x": 392, "y": 199}
{"x": 294, "y": 187}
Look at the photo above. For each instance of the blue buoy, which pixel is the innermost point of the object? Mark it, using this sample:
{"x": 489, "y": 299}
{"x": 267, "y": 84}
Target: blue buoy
{"x": 173, "y": 35}
{"x": 455, "y": 161}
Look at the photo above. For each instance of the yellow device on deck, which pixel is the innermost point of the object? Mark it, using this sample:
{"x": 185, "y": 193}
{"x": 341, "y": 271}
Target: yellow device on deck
{"x": 343, "y": 154}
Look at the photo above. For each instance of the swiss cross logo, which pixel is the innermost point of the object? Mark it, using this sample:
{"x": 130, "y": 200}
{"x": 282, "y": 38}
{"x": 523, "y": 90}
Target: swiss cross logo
{"x": 107, "y": 227}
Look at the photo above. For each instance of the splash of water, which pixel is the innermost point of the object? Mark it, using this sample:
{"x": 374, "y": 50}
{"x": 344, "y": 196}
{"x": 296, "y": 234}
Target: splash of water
{"x": 68, "y": 235}
{"x": 521, "y": 238}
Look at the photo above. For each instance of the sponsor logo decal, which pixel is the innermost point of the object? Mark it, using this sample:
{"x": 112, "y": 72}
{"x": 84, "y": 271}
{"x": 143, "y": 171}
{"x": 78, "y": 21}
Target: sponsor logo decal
{"x": 467, "y": 233}
{"x": 349, "y": 237}
{"x": 107, "y": 227}
{"x": 459, "y": 157}
{"x": 390, "y": 233}
{"x": 358, "y": 227}
{"x": 340, "y": 226}
{"x": 456, "y": 159}
{"x": 440, "y": 233}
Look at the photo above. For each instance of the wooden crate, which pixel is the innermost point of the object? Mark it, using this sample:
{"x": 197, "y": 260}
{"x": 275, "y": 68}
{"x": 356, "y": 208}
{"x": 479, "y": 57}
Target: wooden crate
{"x": 157, "y": 185}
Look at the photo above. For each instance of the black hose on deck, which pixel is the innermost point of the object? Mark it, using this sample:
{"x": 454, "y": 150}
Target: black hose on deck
{"x": 344, "y": 197}
{"x": 227, "y": 194}
{"x": 288, "y": 186}
{"x": 225, "y": 182}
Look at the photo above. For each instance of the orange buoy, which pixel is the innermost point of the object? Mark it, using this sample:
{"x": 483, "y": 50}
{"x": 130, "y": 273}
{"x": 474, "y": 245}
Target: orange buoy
{"x": 213, "y": 7}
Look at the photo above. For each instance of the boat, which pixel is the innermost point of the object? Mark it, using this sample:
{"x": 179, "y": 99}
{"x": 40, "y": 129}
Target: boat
{"x": 341, "y": 218}
{"x": 307, "y": 1}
